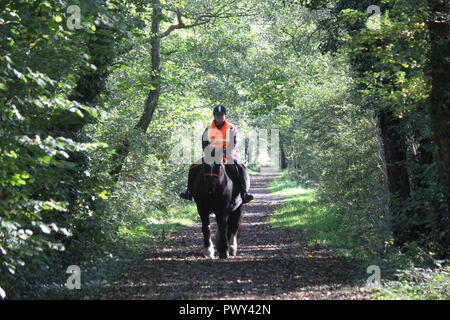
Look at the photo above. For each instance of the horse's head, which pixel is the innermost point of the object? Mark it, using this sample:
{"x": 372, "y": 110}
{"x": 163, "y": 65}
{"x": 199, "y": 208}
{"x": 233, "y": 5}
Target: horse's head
{"x": 213, "y": 176}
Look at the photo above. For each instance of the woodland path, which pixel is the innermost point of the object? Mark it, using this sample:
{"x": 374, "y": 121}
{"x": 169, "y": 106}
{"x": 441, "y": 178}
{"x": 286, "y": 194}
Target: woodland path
{"x": 272, "y": 263}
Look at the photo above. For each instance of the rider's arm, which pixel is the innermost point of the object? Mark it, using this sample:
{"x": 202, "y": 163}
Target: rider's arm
{"x": 234, "y": 133}
{"x": 205, "y": 141}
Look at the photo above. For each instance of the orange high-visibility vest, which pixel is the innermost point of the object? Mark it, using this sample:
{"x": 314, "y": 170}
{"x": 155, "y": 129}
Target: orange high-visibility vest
{"x": 220, "y": 137}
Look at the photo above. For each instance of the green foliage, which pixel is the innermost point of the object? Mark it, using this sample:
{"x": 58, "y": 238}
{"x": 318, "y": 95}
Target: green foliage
{"x": 314, "y": 70}
{"x": 50, "y": 202}
{"x": 418, "y": 284}
{"x": 343, "y": 146}
{"x": 325, "y": 224}
{"x": 354, "y": 236}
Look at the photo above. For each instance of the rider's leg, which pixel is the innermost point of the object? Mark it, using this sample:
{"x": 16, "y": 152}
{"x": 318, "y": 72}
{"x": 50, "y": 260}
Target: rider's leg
{"x": 243, "y": 180}
{"x": 188, "y": 193}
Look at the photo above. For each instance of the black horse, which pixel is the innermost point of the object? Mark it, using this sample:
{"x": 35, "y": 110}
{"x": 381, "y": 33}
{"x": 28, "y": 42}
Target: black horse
{"x": 214, "y": 191}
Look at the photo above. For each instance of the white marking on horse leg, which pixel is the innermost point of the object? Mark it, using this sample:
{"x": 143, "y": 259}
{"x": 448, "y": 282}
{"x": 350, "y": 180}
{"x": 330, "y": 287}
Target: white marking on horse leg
{"x": 209, "y": 251}
{"x": 233, "y": 245}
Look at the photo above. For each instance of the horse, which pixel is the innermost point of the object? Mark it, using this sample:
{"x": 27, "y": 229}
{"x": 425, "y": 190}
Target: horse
{"x": 214, "y": 191}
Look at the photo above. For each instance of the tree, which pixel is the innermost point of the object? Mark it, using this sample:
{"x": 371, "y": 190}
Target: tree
{"x": 390, "y": 67}
{"x": 198, "y": 13}
{"x": 439, "y": 108}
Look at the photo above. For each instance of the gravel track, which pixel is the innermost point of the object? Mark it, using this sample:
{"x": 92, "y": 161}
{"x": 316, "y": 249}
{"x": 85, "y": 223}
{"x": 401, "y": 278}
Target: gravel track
{"x": 272, "y": 263}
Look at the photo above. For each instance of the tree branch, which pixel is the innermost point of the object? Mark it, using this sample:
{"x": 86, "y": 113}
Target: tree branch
{"x": 182, "y": 25}
{"x": 201, "y": 19}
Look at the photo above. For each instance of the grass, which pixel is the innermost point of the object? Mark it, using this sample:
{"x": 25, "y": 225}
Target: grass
{"x": 137, "y": 236}
{"x": 418, "y": 284}
{"x": 301, "y": 210}
{"x": 103, "y": 264}
{"x": 159, "y": 227}
{"x": 134, "y": 239}
{"x": 253, "y": 171}
{"x": 401, "y": 278}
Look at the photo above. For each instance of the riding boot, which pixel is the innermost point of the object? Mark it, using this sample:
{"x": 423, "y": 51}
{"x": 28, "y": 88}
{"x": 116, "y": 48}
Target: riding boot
{"x": 186, "y": 195}
{"x": 243, "y": 183}
{"x": 246, "y": 197}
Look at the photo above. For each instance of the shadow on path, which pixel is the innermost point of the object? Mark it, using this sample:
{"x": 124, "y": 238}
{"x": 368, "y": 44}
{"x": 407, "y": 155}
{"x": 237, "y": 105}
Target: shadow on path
{"x": 271, "y": 264}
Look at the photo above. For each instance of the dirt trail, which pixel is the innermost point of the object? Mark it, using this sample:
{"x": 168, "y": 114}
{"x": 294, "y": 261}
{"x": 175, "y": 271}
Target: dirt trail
{"x": 271, "y": 264}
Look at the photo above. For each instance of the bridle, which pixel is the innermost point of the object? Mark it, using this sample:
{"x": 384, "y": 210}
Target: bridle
{"x": 224, "y": 162}
{"x": 213, "y": 174}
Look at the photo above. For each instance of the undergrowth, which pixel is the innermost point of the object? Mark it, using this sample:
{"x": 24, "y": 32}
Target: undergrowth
{"x": 101, "y": 264}
{"x": 409, "y": 273}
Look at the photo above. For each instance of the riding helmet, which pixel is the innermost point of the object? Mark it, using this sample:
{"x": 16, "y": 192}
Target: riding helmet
{"x": 220, "y": 109}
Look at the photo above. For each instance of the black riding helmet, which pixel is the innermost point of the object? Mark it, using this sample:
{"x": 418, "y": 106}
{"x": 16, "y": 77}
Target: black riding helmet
{"x": 220, "y": 109}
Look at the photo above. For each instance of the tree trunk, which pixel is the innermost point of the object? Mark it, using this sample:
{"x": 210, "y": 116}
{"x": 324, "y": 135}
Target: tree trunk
{"x": 439, "y": 71}
{"x": 123, "y": 149}
{"x": 395, "y": 153}
{"x": 398, "y": 180}
{"x": 283, "y": 157}
{"x": 153, "y": 98}
{"x": 439, "y": 105}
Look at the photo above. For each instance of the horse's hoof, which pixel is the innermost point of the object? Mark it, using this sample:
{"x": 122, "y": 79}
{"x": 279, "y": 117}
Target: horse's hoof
{"x": 209, "y": 252}
{"x": 223, "y": 255}
{"x": 233, "y": 246}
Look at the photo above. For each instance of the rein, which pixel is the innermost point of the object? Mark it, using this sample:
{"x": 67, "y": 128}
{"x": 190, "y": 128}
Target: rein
{"x": 212, "y": 174}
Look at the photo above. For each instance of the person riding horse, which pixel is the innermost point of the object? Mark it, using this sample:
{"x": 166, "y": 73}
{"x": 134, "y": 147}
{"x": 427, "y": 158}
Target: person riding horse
{"x": 217, "y": 135}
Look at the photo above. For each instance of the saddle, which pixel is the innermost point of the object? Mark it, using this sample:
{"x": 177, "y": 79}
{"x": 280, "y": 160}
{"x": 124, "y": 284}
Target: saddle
{"x": 230, "y": 168}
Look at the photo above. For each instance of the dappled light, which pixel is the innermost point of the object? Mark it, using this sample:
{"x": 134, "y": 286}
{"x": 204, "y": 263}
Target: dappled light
{"x": 128, "y": 128}
{"x": 270, "y": 264}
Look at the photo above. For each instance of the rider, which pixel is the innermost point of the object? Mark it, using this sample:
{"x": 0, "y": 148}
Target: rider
{"x": 223, "y": 128}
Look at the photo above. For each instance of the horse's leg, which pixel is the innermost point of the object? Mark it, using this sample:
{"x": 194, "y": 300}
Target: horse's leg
{"x": 221, "y": 238}
{"x": 234, "y": 224}
{"x": 208, "y": 250}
